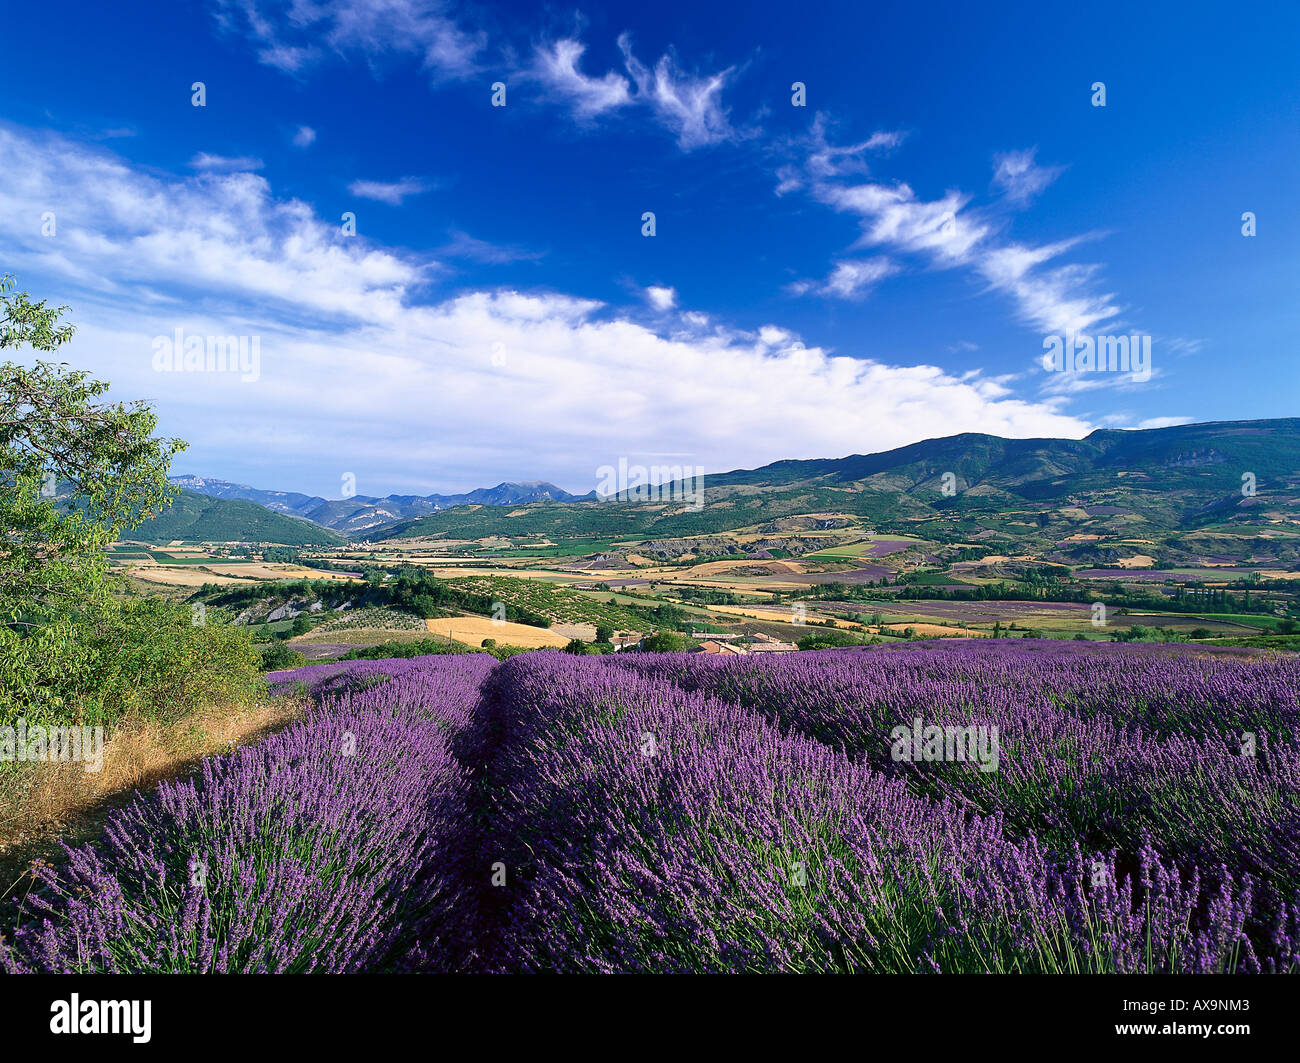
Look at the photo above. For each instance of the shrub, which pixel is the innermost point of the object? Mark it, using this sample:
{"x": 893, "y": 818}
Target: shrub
{"x": 134, "y": 655}
{"x": 663, "y": 642}
{"x": 834, "y": 637}
{"x": 278, "y": 656}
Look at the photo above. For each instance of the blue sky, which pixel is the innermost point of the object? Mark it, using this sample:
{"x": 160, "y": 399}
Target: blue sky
{"x": 879, "y": 266}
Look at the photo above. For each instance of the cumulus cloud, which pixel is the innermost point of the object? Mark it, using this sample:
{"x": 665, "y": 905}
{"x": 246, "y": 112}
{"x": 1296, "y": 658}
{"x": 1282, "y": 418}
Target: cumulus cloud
{"x": 304, "y": 137}
{"x": 125, "y": 232}
{"x": 661, "y": 298}
{"x": 439, "y": 392}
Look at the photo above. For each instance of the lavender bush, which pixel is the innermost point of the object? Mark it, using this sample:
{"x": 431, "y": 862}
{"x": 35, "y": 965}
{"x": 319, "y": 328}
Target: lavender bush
{"x": 328, "y": 847}
{"x": 676, "y": 812}
{"x": 736, "y": 847}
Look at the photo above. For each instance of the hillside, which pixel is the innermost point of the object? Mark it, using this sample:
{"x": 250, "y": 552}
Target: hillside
{"x": 198, "y": 517}
{"x": 1177, "y": 490}
{"x": 362, "y": 512}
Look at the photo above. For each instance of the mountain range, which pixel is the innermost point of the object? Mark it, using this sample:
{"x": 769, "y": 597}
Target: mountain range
{"x": 1225, "y": 489}
{"x": 360, "y": 513}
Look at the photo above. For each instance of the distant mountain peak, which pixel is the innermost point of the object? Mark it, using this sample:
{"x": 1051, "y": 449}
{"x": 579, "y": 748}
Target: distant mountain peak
{"x": 365, "y": 513}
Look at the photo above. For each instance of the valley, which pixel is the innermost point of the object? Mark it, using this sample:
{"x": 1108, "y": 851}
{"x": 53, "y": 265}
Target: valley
{"x": 1158, "y": 526}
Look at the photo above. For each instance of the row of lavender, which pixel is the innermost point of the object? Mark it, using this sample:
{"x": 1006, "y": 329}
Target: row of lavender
{"x": 656, "y": 825}
{"x": 1110, "y": 746}
{"x": 681, "y": 813}
{"x": 332, "y": 846}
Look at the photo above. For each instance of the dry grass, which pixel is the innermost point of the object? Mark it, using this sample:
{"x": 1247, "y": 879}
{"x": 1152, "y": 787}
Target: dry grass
{"x": 474, "y": 629}
{"x": 179, "y": 575}
{"x": 43, "y": 804}
{"x": 923, "y": 629}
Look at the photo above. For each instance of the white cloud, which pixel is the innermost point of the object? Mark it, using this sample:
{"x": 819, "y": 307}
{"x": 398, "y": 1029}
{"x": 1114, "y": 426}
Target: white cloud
{"x": 294, "y": 34}
{"x": 124, "y": 233}
{"x": 690, "y": 106}
{"x": 1054, "y": 300}
{"x": 556, "y": 67}
{"x": 850, "y": 279}
{"x": 822, "y": 160}
{"x": 390, "y": 192}
{"x": 223, "y": 163}
{"x": 454, "y": 392}
{"x": 1051, "y": 299}
{"x": 463, "y": 246}
{"x": 1020, "y": 177}
{"x": 304, "y": 137}
{"x": 951, "y": 235}
{"x": 825, "y": 159}
{"x": 1164, "y": 422}
{"x": 1181, "y": 346}
{"x": 894, "y": 216}
{"x": 661, "y": 298}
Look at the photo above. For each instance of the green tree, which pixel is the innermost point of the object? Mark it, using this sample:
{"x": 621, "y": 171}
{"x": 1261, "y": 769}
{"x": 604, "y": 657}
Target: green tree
{"x": 76, "y": 472}
{"x": 824, "y": 640}
{"x": 663, "y": 642}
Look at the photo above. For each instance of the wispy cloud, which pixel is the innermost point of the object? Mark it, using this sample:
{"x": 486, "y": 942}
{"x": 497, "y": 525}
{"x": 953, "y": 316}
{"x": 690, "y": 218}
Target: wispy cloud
{"x": 893, "y": 216}
{"x": 1022, "y": 179}
{"x": 390, "y": 192}
{"x": 293, "y": 35}
{"x": 950, "y": 234}
{"x": 687, "y": 105}
{"x": 462, "y": 245}
{"x": 556, "y": 67}
{"x": 304, "y": 137}
{"x": 224, "y": 163}
{"x": 820, "y": 159}
{"x": 850, "y": 279}
{"x": 1056, "y": 300}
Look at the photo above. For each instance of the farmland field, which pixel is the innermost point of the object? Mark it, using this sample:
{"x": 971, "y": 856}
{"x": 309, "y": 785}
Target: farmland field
{"x": 473, "y": 629}
{"x": 1126, "y": 809}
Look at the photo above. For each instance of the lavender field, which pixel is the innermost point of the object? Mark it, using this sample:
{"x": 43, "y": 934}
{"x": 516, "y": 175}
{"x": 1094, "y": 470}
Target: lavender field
{"x": 1137, "y": 812}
